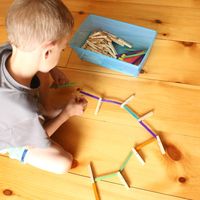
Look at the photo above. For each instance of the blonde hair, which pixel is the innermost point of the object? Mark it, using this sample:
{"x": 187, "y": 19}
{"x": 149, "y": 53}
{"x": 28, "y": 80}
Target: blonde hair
{"x": 32, "y": 22}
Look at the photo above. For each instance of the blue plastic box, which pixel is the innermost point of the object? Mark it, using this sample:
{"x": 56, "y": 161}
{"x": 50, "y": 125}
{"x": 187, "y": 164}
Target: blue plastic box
{"x": 139, "y": 37}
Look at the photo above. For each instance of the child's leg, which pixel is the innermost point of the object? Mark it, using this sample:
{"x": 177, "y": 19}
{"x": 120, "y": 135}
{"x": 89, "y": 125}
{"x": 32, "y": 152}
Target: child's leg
{"x": 53, "y": 159}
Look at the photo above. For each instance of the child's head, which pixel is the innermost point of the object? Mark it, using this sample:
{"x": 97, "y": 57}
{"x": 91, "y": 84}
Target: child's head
{"x": 33, "y": 23}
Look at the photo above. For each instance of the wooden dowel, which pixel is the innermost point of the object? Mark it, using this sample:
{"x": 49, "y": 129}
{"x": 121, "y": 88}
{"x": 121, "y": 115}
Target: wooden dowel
{"x": 123, "y": 180}
{"x": 98, "y": 106}
{"x": 128, "y": 100}
{"x": 138, "y": 156}
{"x": 160, "y": 145}
{"x": 147, "y": 115}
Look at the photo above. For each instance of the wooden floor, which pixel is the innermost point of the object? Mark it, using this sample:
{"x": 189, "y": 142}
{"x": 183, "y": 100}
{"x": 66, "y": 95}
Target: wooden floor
{"x": 169, "y": 85}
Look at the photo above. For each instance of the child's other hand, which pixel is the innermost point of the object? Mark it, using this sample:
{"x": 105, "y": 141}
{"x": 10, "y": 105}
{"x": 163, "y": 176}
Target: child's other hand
{"x": 58, "y": 76}
{"x": 75, "y": 107}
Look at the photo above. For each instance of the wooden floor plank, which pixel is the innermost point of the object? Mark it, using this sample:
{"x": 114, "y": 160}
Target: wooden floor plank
{"x": 172, "y": 23}
{"x": 95, "y": 134}
{"x": 3, "y": 35}
{"x": 107, "y": 146}
{"x": 4, "y": 6}
{"x": 28, "y": 183}
{"x": 169, "y": 85}
{"x": 183, "y": 3}
{"x": 175, "y": 105}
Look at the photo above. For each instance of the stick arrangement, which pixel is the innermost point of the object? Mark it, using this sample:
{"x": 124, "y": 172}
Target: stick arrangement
{"x": 125, "y": 107}
{"x": 135, "y": 150}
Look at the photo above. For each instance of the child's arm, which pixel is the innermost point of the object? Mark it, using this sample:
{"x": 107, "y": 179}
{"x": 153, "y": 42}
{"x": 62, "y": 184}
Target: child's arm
{"x": 75, "y": 107}
{"x": 59, "y": 77}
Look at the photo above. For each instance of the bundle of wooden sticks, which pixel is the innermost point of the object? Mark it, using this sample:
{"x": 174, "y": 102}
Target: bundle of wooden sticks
{"x": 102, "y": 42}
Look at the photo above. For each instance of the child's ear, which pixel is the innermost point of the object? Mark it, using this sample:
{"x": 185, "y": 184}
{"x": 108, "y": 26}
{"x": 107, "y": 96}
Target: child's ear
{"x": 48, "y": 48}
{"x": 47, "y": 53}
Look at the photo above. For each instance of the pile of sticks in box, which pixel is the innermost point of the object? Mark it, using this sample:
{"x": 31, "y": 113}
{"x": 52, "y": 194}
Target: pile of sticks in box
{"x": 101, "y": 42}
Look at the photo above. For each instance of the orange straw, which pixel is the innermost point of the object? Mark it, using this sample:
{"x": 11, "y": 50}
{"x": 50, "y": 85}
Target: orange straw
{"x": 140, "y": 146}
{"x": 93, "y": 182}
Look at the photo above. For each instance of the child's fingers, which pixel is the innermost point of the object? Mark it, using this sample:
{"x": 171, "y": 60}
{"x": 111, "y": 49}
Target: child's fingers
{"x": 81, "y": 100}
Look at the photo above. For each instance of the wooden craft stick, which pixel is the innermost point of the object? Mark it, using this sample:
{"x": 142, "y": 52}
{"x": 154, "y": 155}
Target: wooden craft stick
{"x": 110, "y": 34}
{"x": 125, "y": 43}
{"x": 128, "y": 100}
{"x": 117, "y": 41}
{"x": 112, "y": 48}
{"x": 91, "y": 173}
{"x": 96, "y": 33}
{"x": 126, "y": 161}
{"x": 133, "y": 55}
{"x": 123, "y": 180}
{"x": 98, "y": 37}
{"x": 140, "y": 146}
{"x": 85, "y": 45}
{"x": 101, "y": 42}
{"x": 138, "y": 156}
{"x": 111, "y": 53}
{"x": 106, "y": 176}
{"x": 160, "y": 145}
{"x": 92, "y": 45}
{"x": 93, "y": 182}
{"x": 147, "y": 115}
{"x": 98, "y": 106}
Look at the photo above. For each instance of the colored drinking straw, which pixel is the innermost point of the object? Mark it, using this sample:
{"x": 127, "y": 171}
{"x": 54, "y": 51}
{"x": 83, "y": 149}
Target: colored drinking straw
{"x": 124, "y": 106}
{"x": 93, "y": 182}
{"x": 100, "y": 178}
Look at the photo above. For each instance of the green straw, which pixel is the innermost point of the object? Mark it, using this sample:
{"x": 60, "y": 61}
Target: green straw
{"x": 65, "y": 85}
{"x": 126, "y": 161}
{"x": 131, "y": 112}
{"x": 134, "y": 55}
{"x": 100, "y": 178}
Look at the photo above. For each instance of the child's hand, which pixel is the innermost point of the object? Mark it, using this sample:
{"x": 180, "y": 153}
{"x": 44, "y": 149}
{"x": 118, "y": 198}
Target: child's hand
{"x": 58, "y": 76}
{"x": 75, "y": 107}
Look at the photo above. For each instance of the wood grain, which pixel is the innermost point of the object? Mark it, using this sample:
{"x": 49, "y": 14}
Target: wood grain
{"x": 123, "y": 132}
{"x": 173, "y": 23}
{"x": 169, "y": 85}
{"x": 108, "y": 147}
{"x": 183, "y": 3}
{"x": 27, "y": 183}
{"x": 176, "y": 108}
{"x": 3, "y": 35}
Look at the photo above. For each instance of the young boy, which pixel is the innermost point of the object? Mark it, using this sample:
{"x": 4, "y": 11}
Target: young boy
{"x": 38, "y": 31}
